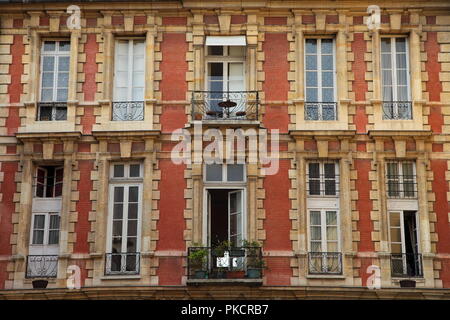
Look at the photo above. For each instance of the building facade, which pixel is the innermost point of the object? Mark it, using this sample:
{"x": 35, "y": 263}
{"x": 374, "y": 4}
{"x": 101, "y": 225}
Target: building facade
{"x": 90, "y": 188}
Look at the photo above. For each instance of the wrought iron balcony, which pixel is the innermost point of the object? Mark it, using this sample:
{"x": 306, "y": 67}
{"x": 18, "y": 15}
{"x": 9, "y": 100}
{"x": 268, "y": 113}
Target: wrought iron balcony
{"x": 128, "y": 110}
{"x": 406, "y": 265}
{"x": 42, "y": 266}
{"x": 325, "y": 262}
{"x": 397, "y": 110}
{"x": 325, "y": 111}
{"x": 122, "y": 263}
{"x": 401, "y": 186}
{"x": 51, "y": 111}
{"x": 221, "y": 105}
{"x": 231, "y": 263}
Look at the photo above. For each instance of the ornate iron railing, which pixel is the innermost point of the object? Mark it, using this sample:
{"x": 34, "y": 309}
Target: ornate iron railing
{"x": 243, "y": 105}
{"x": 325, "y": 262}
{"x": 42, "y": 266}
{"x": 128, "y": 110}
{"x": 397, "y": 110}
{"x": 401, "y": 186}
{"x": 406, "y": 265}
{"x": 51, "y": 111}
{"x": 321, "y": 111}
{"x": 234, "y": 262}
{"x": 122, "y": 263}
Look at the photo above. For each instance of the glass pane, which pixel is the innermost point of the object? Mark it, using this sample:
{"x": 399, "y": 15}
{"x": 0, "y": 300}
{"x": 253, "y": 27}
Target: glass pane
{"x": 396, "y": 248}
{"x": 131, "y": 244}
{"x": 39, "y": 221}
{"x": 63, "y": 63}
{"x": 395, "y": 219}
{"x": 117, "y": 228}
{"x": 311, "y": 62}
{"x": 235, "y": 172}
{"x": 118, "y": 194}
{"x": 401, "y": 61}
{"x": 133, "y": 194}
{"x": 54, "y": 221}
{"x": 47, "y": 79}
{"x": 332, "y": 233}
{"x": 316, "y": 233}
{"x": 45, "y": 113}
{"x": 49, "y": 45}
{"x": 38, "y": 237}
{"x": 63, "y": 79}
{"x": 64, "y": 45}
{"x": 62, "y": 94}
{"x": 314, "y": 171}
{"x": 314, "y": 187}
{"x": 216, "y": 70}
{"x": 233, "y": 202}
{"x": 53, "y": 237}
{"x": 396, "y": 235}
{"x": 330, "y": 187}
{"x": 48, "y": 63}
{"x": 233, "y": 224}
{"x": 331, "y": 218}
{"x": 385, "y": 45}
{"x": 117, "y": 245}
{"x": 132, "y": 227}
{"x": 312, "y": 95}
{"x": 329, "y": 169}
{"x": 311, "y": 79}
{"x": 213, "y": 172}
{"x": 119, "y": 171}
{"x": 135, "y": 170}
{"x": 327, "y": 62}
{"x": 400, "y": 44}
{"x": 332, "y": 247}
{"x": 327, "y": 95}
{"x": 327, "y": 79}
{"x": 314, "y": 217}
{"x": 215, "y": 50}
{"x": 316, "y": 246}
{"x": 118, "y": 211}
{"x": 236, "y": 51}
{"x": 311, "y": 46}
{"x": 327, "y": 46}
{"x": 132, "y": 211}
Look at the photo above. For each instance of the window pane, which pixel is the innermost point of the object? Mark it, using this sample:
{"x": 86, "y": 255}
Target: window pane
{"x": 327, "y": 95}
{"x": 327, "y": 62}
{"x": 53, "y": 237}
{"x": 131, "y": 244}
{"x": 64, "y": 45}
{"x": 214, "y": 172}
{"x": 49, "y": 45}
{"x": 316, "y": 233}
{"x": 327, "y": 46}
{"x": 395, "y": 219}
{"x": 312, "y": 95}
{"x": 132, "y": 227}
{"x": 314, "y": 171}
{"x": 385, "y": 45}
{"x": 63, "y": 63}
{"x": 311, "y": 46}
{"x": 329, "y": 169}
{"x": 311, "y": 62}
{"x": 331, "y": 218}
{"x": 118, "y": 194}
{"x": 327, "y": 79}
{"x": 119, "y": 170}
{"x": 215, "y": 50}
{"x": 62, "y": 95}
{"x": 39, "y": 221}
{"x": 63, "y": 79}
{"x": 135, "y": 170}
{"x": 235, "y": 172}
{"x": 117, "y": 228}
{"x": 216, "y": 70}
{"x": 311, "y": 79}
{"x": 133, "y": 194}
{"x": 48, "y": 63}
{"x": 47, "y": 79}
{"x": 314, "y": 217}
{"x": 400, "y": 44}
{"x": 332, "y": 233}
{"x": 132, "y": 210}
{"x": 118, "y": 211}
{"x": 396, "y": 235}
{"x": 54, "y": 221}
{"x": 38, "y": 237}
{"x": 236, "y": 51}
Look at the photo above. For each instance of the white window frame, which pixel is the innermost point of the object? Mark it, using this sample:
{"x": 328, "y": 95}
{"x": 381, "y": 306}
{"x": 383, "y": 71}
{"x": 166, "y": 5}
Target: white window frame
{"x": 225, "y": 174}
{"x": 46, "y": 229}
{"x": 319, "y": 87}
{"x": 45, "y": 186}
{"x": 401, "y": 181}
{"x": 322, "y": 179}
{"x": 323, "y": 228}
{"x": 393, "y": 69}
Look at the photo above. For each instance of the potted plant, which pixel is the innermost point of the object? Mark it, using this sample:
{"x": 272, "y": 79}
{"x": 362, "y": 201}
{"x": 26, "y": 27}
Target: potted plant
{"x": 198, "y": 116}
{"x": 255, "y": 262}
{"x": 197, "y": 262}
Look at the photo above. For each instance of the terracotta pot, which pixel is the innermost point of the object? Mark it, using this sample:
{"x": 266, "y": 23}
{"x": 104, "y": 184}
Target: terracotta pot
{"x": 39, "y": 284}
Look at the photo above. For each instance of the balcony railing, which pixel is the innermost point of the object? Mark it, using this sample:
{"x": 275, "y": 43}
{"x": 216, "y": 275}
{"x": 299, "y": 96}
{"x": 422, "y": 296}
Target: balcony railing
{"x": 122, "y": 263}
{"x": 401, "y": 186}
{"x": 51, "y": 111}
{"x": 237, "y": 105}
{"x": 42, "y": 266}
{"x": 406, "y": 265}
{"x": 324, "y": 111}
{"x": 232, "y": 263}
{"x": 323, "y": 186}
{"x": 397, "y": 110}
{"x": 325, "y": 262}
{"x": 128, "y": 110}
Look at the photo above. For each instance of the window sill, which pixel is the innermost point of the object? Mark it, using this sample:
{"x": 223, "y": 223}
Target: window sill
{"x": 326, "y": 276}
{"x": 121, "y": 277}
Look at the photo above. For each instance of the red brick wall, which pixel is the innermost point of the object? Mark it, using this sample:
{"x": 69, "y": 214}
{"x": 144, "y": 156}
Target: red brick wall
{"x": 83, "y": 206}
{"x": 359, "y": 85}
{"x": 15, "y": 88}
{"x": 7, "y": 208}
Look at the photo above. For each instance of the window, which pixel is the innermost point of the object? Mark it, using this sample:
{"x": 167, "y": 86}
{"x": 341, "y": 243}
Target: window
{"x": 55, "y": 64}
{"x": 225, "y": 80}
{"x": 323, "y": 179}
{"x": 129, "y": 80}
{"x": 45, "y": 229}
{"x": 395, "y": 78}
{"x": 224, "y": 173}
{"x": 405, "y": 257}
{"x": 324, "y": 256}
{"x": 125, "y": 211}
{"x": 49, "y": 182}
{"x": 320, "y": 80}
{"x": 401, "y": 179}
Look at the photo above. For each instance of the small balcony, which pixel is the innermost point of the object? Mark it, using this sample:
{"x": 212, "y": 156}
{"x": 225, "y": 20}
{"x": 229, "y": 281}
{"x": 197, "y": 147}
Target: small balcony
{"x": 397, "y": 110}
{"x": 127, "y": 110}
{"x": 325, "y": 263}
{"x": 117, "y": 264}
{"x": 42, "y": 266}
{"x": 51, "y": 111}
{"x": 321, "y": 111}
{"x": 225, "y": 106}
{"x": 402, "y": 190}
{"x": 240, "y": 264}
{"x": 406, "y": 265}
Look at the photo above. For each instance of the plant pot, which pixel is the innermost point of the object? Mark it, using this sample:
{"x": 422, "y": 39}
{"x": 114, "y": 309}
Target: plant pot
{"x": 200, "y": 274}
{"x": 254, "y": 273}
{"x": 39, "y": 284}
{"x": 198, "y": 116}
{"x": 407, "y": 284}
{"x": 236, "y": 274}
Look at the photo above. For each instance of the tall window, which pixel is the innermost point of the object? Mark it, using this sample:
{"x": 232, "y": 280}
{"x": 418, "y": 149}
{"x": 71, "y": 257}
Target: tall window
{"x": 395, "y": 78}
{"x": 324, "y": 256}
{"x": 129, "y": 80}
{"x": 225, "y": 79}
{"x": 55, "y": 64}
{"x": 401, "y": 179}
{"x": 323, "y": 179}
{"x": 320, "y": 80}
{"x": 125, "y": 211}
{"x": 45, "y": 228}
